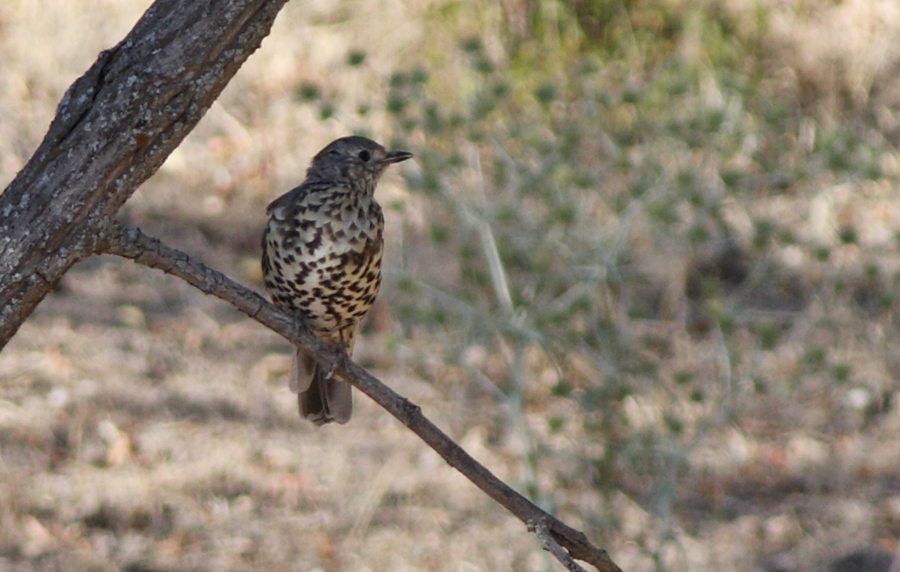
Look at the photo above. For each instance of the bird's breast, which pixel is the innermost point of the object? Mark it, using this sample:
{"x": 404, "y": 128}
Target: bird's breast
{"x": 323, "y": 257}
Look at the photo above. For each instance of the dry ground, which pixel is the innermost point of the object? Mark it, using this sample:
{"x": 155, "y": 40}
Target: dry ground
{"x": 145, "y": 427}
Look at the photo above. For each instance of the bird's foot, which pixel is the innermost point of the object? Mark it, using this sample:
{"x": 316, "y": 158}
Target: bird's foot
{"x": 340, "y": 352}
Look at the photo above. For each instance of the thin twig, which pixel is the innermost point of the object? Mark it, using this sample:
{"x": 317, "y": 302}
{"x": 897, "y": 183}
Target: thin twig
{"x": 515, "y": 400}
{"x": 553, "y": 547}
{"x": 133, "y": 244}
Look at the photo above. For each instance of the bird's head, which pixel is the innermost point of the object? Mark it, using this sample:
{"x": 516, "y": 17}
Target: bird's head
{"x": 356, "y": 161}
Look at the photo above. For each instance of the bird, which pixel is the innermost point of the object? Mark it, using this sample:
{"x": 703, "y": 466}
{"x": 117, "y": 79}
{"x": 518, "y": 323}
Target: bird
{"x": 321, "y": 259}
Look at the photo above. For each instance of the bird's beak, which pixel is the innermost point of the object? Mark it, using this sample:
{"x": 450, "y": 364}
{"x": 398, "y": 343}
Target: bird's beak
{"x": 396, "y": 156}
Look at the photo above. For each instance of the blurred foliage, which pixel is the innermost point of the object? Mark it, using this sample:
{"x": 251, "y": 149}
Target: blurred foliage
{"x": 580, "y": 176}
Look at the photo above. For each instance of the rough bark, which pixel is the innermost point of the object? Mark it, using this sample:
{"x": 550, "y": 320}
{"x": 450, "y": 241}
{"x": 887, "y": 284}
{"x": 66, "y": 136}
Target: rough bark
{"x": 113, "y": 129}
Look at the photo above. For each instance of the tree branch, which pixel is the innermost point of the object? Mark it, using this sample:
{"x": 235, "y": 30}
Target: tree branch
{"x": 564, "y": 542}
{"x": 113, "y": 128}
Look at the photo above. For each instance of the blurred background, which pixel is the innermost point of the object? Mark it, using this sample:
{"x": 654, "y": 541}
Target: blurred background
{"x": 645, "y": 267}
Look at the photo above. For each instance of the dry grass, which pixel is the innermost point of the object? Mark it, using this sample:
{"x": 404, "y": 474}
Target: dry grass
{"x": 145, "y": 427}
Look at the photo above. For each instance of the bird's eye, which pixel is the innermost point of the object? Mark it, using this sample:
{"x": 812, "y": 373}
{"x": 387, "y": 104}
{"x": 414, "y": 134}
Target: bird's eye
{"x": 365, "y": 156}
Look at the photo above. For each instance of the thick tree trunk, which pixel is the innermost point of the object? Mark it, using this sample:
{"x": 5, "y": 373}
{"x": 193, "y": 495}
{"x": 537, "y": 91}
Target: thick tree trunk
{"x": 113, "y": 129}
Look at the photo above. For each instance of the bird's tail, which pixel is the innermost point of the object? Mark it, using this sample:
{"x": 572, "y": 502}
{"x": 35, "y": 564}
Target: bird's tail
{"x": 321, "y": 398}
